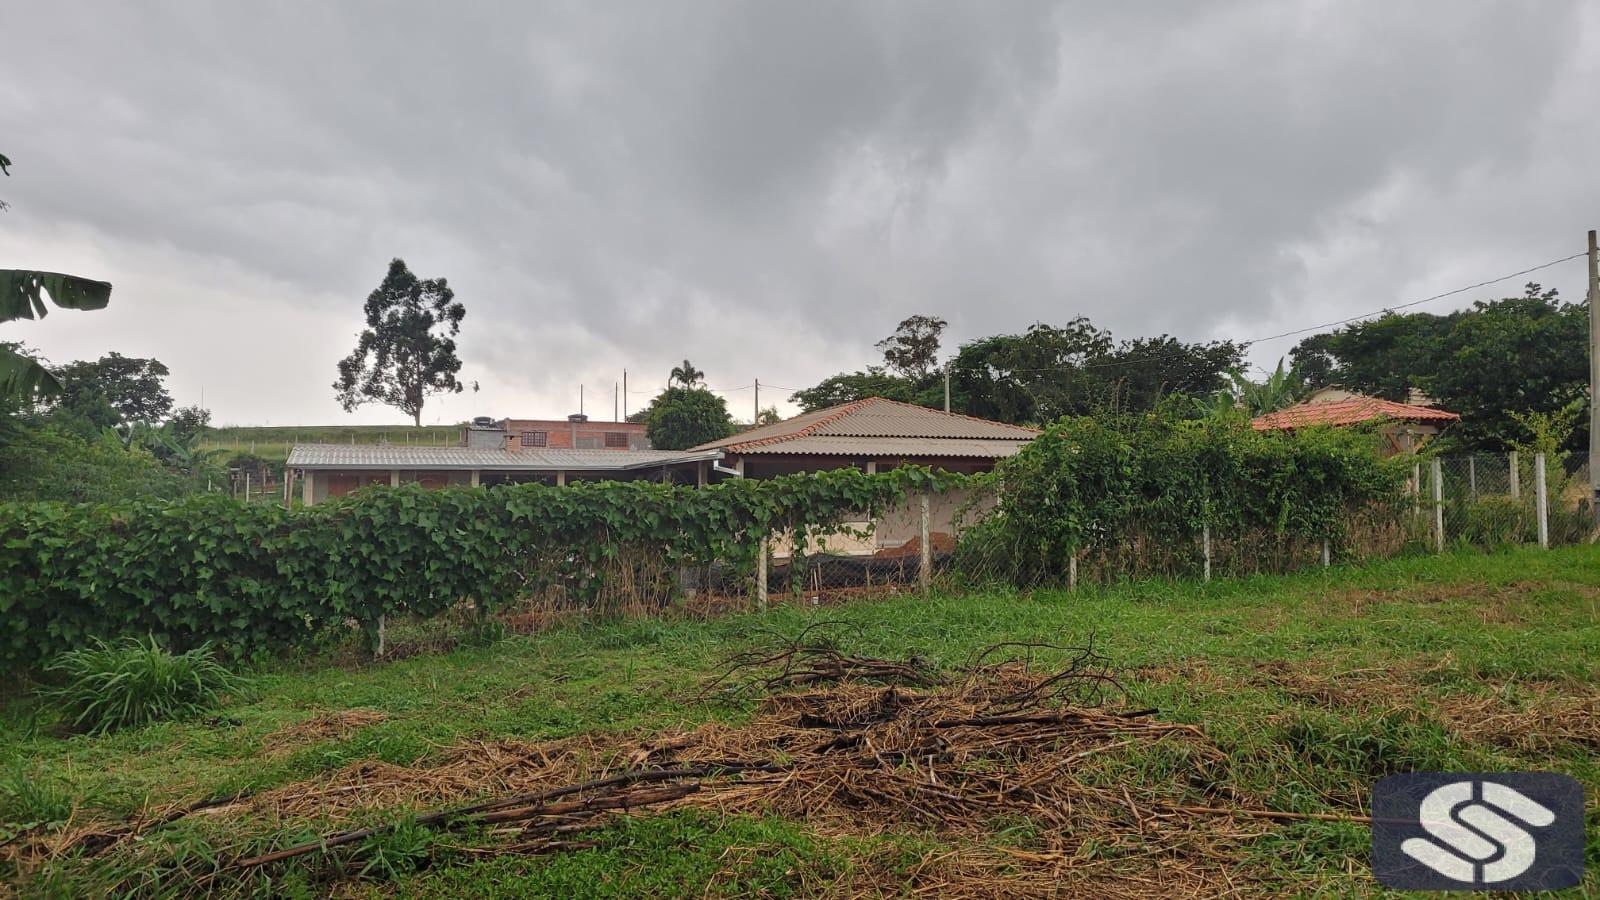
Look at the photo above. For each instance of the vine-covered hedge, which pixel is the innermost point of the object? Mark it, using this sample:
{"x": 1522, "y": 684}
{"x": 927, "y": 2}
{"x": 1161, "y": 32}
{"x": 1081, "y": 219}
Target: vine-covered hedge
{"x": 1141, "y": 485}
{"x": 255, "y": 577}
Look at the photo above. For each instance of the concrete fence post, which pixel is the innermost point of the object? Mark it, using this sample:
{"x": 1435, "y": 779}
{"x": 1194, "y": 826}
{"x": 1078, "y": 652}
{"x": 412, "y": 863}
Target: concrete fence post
{"x": 1416, "y": 489}
{"x": 1516, "y": 477}
{"x": 1072, "y": 571}
{"x": 1205, "y": 550}
{"x": 1438, "y": 504}
{"x": 1541, "y": 500}
{"x": 1472, "y": 476}
{"x": 925, "y": 564}
{"x": 761, "y": 574}
{"x": 1327, "y": 556}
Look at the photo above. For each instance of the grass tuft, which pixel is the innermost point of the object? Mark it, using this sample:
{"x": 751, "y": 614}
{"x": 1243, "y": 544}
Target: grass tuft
{"x": 136, "y": 682}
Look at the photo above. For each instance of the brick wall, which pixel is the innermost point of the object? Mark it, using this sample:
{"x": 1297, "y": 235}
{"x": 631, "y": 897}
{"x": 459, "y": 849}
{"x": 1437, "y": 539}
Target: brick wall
{"x": 561, "y": 434}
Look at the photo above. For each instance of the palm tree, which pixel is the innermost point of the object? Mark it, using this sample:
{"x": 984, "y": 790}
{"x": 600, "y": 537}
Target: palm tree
{"x": 22, "y": 296}
{"x": 686, "y": 375}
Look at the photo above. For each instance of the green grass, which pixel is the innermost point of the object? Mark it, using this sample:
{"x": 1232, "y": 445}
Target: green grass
{"x": 1422, "y": 635}
{"x": 272, "y": 442}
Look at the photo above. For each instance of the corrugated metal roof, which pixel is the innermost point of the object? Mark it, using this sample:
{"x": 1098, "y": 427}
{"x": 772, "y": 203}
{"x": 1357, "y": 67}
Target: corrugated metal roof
{"x": 1349, "y": 412}
{"x": 371, "y": 456}
{"x": 875, "y": 418}
{"x": 846, "y": 445}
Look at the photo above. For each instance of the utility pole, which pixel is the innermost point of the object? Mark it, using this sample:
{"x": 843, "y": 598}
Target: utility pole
{"x": 624, "y": 394}
{"x": 946, "y": 387}
{"x": 616, "y": 398}
{"x": 757, "y": 419}
{"x": 1594, "y": 379}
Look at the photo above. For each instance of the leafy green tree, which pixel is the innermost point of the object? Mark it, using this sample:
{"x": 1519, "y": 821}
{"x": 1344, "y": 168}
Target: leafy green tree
{"x": 1141, "y": 371}
{"x": 1523, "y": 355}
{"x": 913, "y": 349}
{"x": 1385, "y": 357}
{"x": 769, "y": 416}
{"x": 22, "y": 296}
{"x": 1518, "y": 355}
{"x": 408, "y": 349}
{"x": 684, "y": 417}
{"x": 130, "y": 386}
{"x": 51, "y": 463}
{"x": 189, "y": 423}
{"x": 847, "y": 387}
{"x": 1077, "y": 369}
{"x": 686, "y": 375}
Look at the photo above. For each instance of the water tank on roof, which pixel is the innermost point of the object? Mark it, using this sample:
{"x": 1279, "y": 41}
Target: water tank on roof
{"x": 577, "y": 417}
{"x": 482, "y": 421}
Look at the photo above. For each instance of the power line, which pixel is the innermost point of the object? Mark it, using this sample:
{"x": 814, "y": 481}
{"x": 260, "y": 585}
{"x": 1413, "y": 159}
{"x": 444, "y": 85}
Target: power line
{"x": 1245, "y": 345}
{"x": 1389, "y": 309}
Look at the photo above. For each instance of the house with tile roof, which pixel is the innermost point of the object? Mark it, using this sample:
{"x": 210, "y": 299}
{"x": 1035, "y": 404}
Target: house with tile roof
{"x": 871, "y": 434}
{"x": 1405, "y": 426}
{"x": 875, "y": 435}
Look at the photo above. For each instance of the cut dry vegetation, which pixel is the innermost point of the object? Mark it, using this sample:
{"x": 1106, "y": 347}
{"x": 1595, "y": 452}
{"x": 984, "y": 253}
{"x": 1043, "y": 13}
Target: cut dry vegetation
{"x": 1152, "y": 740}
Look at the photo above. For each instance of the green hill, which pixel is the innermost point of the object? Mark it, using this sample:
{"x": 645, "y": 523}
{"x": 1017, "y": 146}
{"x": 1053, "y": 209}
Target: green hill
{"x": 272, "y": 442}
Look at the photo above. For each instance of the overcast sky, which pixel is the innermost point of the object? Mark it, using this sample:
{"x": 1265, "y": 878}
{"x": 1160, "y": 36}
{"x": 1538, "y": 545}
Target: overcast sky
{"x": 767, "y": 188}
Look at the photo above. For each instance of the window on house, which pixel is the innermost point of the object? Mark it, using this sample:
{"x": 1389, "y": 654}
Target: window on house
{"x": 535, "y": 438}
{"x": 617, "y": 439}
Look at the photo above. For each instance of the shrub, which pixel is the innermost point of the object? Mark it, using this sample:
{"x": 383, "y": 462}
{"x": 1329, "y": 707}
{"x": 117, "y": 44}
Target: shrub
{"x": 135, "y": 682}
{"x": 51, "y": 463}
{"x": 254, "y": 578}
{"x": 1138, "y": 490}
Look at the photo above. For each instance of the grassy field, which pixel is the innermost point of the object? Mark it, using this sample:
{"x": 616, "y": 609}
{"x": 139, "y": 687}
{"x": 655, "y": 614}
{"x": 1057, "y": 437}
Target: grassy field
{"x": 1301, "y": 691}
{"x": 272, "y": 442}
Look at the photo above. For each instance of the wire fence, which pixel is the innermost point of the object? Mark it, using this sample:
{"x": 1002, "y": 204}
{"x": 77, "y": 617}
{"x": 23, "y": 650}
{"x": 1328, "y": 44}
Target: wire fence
{"x": 957, "y": 541}
{"x": 950, "y": 542}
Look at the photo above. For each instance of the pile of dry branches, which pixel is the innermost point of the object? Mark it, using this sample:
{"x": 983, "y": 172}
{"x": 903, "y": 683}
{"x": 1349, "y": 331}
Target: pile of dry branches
{"x": 1003, "y": 742}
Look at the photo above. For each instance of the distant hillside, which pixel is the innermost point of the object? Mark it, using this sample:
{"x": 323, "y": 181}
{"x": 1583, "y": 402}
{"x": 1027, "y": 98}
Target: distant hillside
{"x": 272, "y": 442}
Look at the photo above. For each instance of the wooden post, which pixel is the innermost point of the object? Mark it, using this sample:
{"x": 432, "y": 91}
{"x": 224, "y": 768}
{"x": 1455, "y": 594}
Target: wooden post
{"x": 307, "y": 487}
{"x": 394, "y": 478}
{"x": 925, "y": 567}
{"x": 247, "y": 485}
{"x": 476, "y": 478}
{"x": 1438, "y": 504}
{"x": 1205, "y": 549}
{"x": 1516, "y": 477}
{"x": 1541, "y": 502}
{"x": 288, "y": 476}
{"x": 761, "y": 575}
{"x": 561, "y": 477}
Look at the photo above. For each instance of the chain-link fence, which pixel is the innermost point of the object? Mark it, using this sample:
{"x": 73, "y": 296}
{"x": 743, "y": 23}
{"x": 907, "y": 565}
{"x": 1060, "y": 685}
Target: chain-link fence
{"x": 956, "y": 540}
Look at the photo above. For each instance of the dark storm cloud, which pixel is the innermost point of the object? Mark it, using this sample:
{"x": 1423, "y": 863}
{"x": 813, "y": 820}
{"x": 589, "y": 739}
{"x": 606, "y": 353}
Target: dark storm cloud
{"x": 766, "y": 188}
